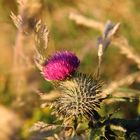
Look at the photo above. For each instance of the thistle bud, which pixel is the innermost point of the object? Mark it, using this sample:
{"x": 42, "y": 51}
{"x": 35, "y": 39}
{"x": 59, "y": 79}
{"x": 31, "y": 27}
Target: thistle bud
{"x": 80, "y": 97}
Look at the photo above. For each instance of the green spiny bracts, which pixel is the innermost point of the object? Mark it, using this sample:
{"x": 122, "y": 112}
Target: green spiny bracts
{"x": 80, "y": 97}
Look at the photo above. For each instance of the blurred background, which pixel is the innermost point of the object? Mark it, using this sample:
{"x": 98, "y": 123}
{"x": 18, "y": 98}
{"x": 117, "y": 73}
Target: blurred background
{"x": 20, "y": 79}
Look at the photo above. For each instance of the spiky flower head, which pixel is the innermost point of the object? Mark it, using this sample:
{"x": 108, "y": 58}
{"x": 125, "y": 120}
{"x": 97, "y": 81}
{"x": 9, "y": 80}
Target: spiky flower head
{"x": 80, "y": 97}
{"x": 60, "y": 65}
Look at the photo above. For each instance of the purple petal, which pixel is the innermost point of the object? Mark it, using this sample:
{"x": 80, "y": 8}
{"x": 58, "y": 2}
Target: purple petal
{"x": 60, "y": 66}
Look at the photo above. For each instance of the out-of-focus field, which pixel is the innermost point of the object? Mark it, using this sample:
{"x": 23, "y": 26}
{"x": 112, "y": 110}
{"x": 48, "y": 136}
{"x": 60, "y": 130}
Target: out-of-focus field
{"x": 19, "y": 103}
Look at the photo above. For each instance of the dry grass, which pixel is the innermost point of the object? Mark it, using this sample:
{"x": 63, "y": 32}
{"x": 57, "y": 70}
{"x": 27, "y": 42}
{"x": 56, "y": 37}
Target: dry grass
{"x": 8, "y": 127}
{"x": 120, "y": 42}
{"x": 17, "y": 51}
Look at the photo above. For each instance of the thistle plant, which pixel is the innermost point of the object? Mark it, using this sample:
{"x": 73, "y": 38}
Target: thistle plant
{"x": 80, "y": 96}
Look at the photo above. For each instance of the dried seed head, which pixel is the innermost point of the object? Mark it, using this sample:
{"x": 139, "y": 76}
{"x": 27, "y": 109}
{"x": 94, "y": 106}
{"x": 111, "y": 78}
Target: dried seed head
{"x": 80, "y": 97}
{"x": 60, "y": 66}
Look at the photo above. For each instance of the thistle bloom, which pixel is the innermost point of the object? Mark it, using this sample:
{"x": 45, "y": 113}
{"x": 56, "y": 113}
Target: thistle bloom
{"x": 60, "y": 65}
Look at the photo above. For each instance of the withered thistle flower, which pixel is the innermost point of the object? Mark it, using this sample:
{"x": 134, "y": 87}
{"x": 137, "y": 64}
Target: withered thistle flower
{"x": 80, "y": 97}
{"x": 60, "y": 66}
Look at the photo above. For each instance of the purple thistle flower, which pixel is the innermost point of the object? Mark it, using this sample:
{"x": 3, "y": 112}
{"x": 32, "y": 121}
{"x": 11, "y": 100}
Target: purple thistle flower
{"x": 60, "y": 66}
